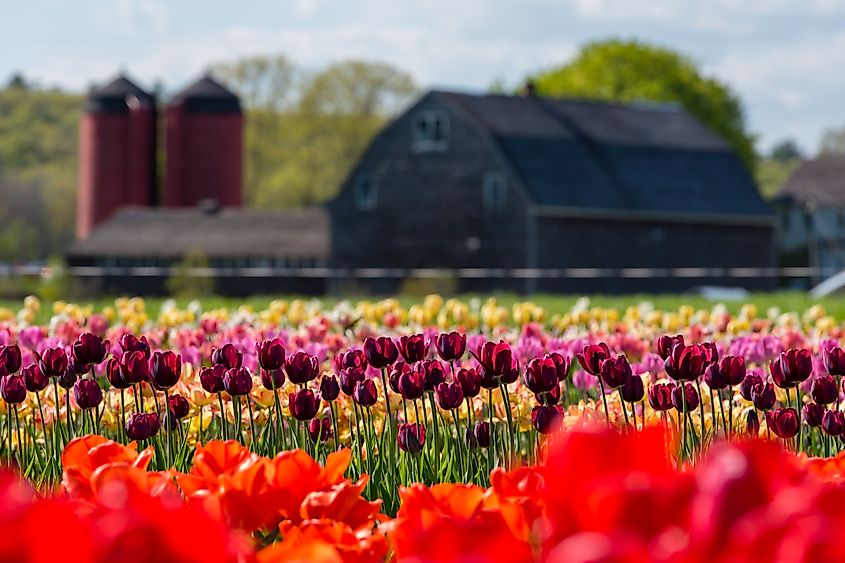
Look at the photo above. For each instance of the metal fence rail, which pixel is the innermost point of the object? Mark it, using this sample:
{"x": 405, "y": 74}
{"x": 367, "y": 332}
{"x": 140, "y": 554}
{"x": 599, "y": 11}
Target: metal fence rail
{"x": 424, "y": 273}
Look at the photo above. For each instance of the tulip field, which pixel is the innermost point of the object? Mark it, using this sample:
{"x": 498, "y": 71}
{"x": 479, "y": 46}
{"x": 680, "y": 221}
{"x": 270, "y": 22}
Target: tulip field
{"x": 442, "y": 430}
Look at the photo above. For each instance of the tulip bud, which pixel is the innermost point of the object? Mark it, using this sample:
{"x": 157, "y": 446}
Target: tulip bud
{"x": 685, "y": 392}
{"x": 545, "y": 419}
{"x": 90, "y": 349}
{"x": 747, "y": 386}
{"x": 237, "y": 381}
{"x": 752, "y": 423}
{"x": 813, "y": 414}
{"x": 449, "y": 395}
{"x": 412, "y": 384}
{"x": 666, "y": 343}
{"x": 34, "y": 378}
{"x": 142, "y": 426}
{"x": 495, "y": 358}
{"x": 165, "y": 369}
{"x": 302, "y": 368}
{"x": 68, "y": 378}
{"x": 451, "y": 346}
{"x": 329, "y": 388}
{"x": 411, "y": 437}
{"x": 763, "y": 396}
{"x": 211, "y": 379}
{"x": 271, "y": 354}
{"x": 615, "y": 372}
{"x": 470, "y": 382}
{"x": 413, "y": 348}
{"x": 633, "y": 391}
{"x": 53, "y": 362}
{"x": 791, "y": 368}
{"x": 784, "y": 422}
{"x": 834, "y": 361}
{"x": 541, "y": 375}
{"x": 179, "y": 406}
{"x": 227, "y": 356}
{"x": 272, "y": 380}
{"x": 482, "y": 434}
{"x": 135, "y": 367}
{"x": 732, "y": 369}
{"x": 713, "y": 377}
{"x": 303, "y": 404}
{"x": 128, "y": 343}
{"x": 833, "y": 423}
{"x": 10, "y": 359}
{"x": 13, "y": 390}
{"x": 396, "y": 372}
{"x": 562, "y": 364}
{"x": 320, "y": 430}
{"x": 381, "y": 352}
{"x": 592, "y": 357}
{"x": 434, "y": 373}
{"x": 87, "y": 393}
{"x": 350, "y": 359}
{"x": 365, "y": 393}
{"x": 660, "y": 396}
{"x": 349, "y": 378}
{"x": 824, "y": 390}
{"x": 686, "y": 363}
{"x": 115, "y": 376}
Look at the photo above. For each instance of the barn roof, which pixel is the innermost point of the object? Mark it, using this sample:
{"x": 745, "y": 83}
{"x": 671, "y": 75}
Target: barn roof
{"x": 643, "y": 157}
{"x": 819, "y": 182}
{"x": 228, "y": 232}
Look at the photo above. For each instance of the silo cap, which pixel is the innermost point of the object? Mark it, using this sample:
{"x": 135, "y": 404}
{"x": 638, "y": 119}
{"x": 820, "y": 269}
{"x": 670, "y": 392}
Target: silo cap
{"x": 206, "y": 95}
{"x": 118, "y": 96}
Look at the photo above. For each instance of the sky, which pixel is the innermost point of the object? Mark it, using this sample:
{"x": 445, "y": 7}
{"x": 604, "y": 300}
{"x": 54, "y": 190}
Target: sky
{"x": 785, "y": 58}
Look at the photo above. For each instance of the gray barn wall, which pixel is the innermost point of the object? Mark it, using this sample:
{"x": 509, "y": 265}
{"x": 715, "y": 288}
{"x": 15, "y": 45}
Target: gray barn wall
{"x": 429, "y": 205}
{"x": 592, "y": 243}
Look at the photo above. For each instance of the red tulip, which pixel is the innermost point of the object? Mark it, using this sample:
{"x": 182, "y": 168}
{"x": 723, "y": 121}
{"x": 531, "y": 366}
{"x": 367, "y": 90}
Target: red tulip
{"x": 451, "y": 346}
{"x": 227, "y": 356}
{"x": 413, "y": 348}
{"x": 271, "y": 354}
{"x": 381, "y": 352}
{"x": 303, "y": 404}
{"x": 411, "y": 437}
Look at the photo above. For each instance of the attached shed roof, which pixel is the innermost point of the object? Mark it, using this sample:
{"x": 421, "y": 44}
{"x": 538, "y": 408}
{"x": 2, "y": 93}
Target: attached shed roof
{"x": 229, "y": 232}
{"x": 819, "y": 182}
{"x": 642, "y": 157}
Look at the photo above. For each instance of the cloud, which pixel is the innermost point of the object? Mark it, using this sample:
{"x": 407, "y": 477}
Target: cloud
{"x": 136, "y": 16}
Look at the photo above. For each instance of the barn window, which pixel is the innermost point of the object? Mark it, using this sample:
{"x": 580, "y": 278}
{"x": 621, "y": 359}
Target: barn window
{"x": 366, "y": 192}
{"x": 431, "y": 131}
{"x": 494, "y": 188}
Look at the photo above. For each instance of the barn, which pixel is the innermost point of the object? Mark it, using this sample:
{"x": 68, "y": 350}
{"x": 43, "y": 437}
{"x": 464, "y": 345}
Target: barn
{"x": 536, "y": 194}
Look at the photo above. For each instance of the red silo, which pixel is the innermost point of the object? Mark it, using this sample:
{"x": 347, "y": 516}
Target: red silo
{"x": 117, "y": 150}
{"x": 204, "y": 146}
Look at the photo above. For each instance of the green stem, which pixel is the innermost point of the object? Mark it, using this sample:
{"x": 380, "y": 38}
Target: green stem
{"x": 604, "y": 401}
{"x": 251, "y": 422}
{"x": 223, "y": 424}
{"x": 624, "y": 410}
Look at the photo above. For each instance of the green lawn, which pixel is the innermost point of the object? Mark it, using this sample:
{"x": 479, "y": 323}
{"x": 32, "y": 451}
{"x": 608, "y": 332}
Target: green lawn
{"x": 785, "y": 301}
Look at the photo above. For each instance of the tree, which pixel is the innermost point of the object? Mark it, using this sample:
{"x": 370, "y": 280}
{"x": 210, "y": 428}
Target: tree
{"x": 624, "y": 71}
{"x": 833, "y": 142}
{"x": 262, "y": 82}
{"x": 357, "y": 87}
{"x": 299, "y": 150}
{"x": 786, "y": 151}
